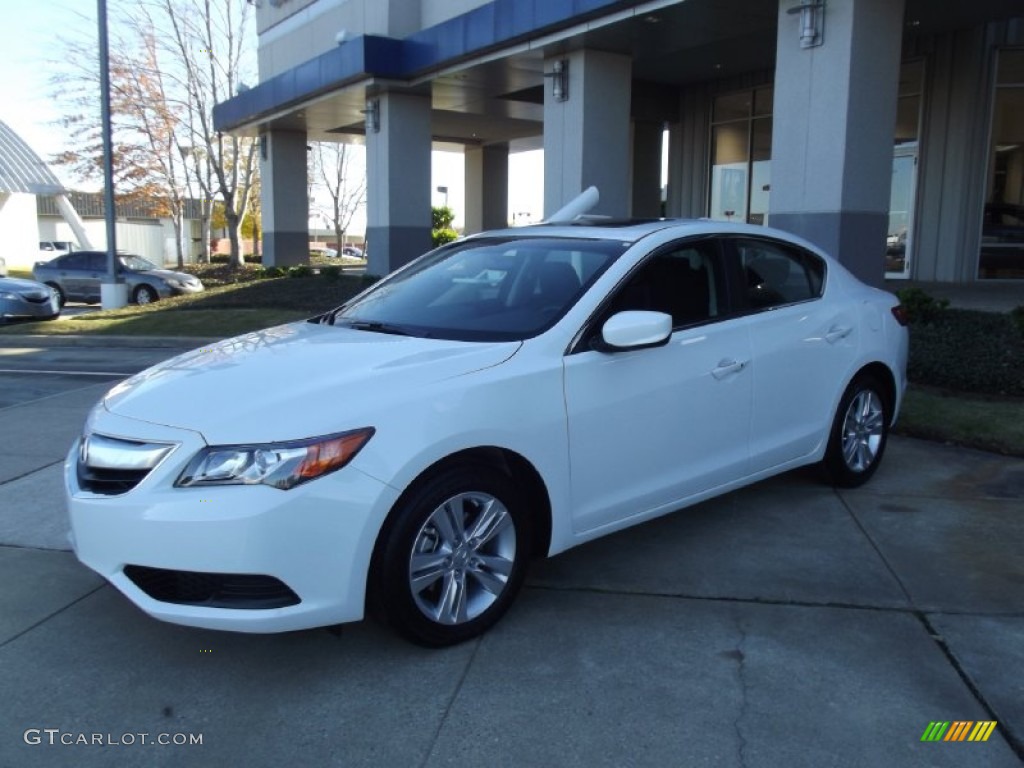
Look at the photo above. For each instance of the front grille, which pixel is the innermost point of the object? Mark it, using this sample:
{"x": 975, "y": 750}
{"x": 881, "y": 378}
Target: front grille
{"x": 112, "y": 465}
{"x": 35, "y": 299}
{"x": 109, "y": 482}
{"x": 213, "y": 590}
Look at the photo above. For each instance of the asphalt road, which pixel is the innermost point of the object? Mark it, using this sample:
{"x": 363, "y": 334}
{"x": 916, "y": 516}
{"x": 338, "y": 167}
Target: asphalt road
{"x": 40, "y": 370}
{"x": 787, "y": 624}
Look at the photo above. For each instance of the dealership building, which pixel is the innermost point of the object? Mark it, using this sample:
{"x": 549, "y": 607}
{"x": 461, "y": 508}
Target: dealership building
{"x": 890, "y": 132}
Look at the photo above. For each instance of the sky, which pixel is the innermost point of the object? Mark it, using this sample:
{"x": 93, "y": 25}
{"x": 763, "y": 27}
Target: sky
{"x": 32, "y": 30}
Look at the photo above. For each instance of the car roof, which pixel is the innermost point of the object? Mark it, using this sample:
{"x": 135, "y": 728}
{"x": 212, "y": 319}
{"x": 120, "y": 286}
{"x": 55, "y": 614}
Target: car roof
{"x": 633, "y": 230}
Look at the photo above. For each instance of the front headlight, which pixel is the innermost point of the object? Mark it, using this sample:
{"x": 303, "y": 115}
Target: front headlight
{"x": 279, "y": 465}
{"x": 174, "y": 283}
{"x": 7, "y": 295}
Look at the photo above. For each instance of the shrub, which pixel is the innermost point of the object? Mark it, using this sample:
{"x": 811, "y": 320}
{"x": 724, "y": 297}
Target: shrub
{"x": 442, "y": 236}
{"x": 1018, "y": 317}
{"x": 967, "y": 351}
{"x": 300, "y": 270}
{"x": 269, "y": 272}
{"x": 920, "y": 305}
{"x": 331, "y": 273}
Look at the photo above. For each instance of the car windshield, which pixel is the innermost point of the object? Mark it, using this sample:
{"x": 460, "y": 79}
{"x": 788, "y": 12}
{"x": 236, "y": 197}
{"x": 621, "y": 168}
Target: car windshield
{"x": 137, "y": 263}
{"x": 486, "y": 289}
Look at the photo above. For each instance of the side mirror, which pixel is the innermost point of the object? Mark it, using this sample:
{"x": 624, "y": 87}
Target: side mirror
{"x": 635, "y": 329}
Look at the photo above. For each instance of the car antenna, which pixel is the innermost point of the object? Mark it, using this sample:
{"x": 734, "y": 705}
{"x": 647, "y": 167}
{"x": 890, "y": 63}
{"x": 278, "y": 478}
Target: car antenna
{"x": 575, "y": 208}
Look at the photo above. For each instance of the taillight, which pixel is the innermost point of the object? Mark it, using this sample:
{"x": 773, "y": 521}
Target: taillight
{"x": 900, "y": 313}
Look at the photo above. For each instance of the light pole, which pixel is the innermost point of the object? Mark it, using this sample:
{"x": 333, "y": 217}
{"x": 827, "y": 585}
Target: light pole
{"x": 113, "y": 291}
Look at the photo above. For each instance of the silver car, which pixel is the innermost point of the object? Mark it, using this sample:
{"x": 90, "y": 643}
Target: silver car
{"x": 77, "y": 276}
{"x": 27, "y": 300}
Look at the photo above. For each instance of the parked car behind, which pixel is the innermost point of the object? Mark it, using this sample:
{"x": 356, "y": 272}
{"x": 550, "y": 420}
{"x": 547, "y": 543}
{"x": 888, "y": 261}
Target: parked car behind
{"x": 3, "y": 267}
{"x": 77, "y": 276}
{"x": 512, "y": 394}
{"x": 27, "y": 300}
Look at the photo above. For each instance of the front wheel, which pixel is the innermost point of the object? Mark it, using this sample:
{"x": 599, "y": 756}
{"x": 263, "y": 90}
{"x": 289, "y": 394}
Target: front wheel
{"x": 144, "y": 294}
{"x": 453, "y": 557}
{"x": 859, "y": 433}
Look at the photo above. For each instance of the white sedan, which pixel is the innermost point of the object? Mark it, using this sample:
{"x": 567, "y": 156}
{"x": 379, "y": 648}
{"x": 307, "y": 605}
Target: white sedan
{"x": 509, "y": 395}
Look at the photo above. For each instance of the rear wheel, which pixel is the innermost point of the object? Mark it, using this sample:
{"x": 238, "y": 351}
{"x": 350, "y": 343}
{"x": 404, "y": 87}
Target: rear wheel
{"x": 453, "y": 557}
{"x": 144, "y": 294}
{"x": 859, "y": 433}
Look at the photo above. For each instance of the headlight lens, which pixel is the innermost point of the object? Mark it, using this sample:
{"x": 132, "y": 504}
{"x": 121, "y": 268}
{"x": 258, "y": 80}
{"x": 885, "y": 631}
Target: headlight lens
{"x": 279, "y": 465}
{"x": 7, "y": 295}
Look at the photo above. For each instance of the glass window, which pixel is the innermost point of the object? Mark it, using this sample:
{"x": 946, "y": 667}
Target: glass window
{"x": 779, "y": 274}
{"x": 1002, "y": 239}
{"x": 682, "y": 280}
{"x": 741, "y": 146}
{"x": 733, "y": 106}
{"x": 487, "y": 289}
{"x": 97, "y": 262}
{"x": 72, "y": 261}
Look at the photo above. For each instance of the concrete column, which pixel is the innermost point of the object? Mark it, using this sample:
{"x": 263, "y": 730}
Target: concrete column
{"x": 832, "y": 136}
{"x": 586, "y": 136}
{"x": 285, "y": 198}
{"x": 646, "y": 181}
{"x": 398, "y": 183}
{"x": 486, "y": 188}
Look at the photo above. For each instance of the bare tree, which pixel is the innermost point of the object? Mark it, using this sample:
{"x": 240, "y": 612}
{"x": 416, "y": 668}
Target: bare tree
{"x": 173, "y": 61}
{"x": 209, "y": 38}
{"x": 345, "y": 182}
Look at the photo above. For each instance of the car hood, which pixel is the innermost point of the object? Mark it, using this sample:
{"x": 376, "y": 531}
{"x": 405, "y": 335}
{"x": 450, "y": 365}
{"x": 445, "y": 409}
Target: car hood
{"x": 23, "y": 287}
{"x": 294, "y": 381}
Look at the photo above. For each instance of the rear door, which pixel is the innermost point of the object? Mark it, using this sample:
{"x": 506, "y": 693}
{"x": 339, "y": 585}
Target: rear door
{"x": 803, "y": 342}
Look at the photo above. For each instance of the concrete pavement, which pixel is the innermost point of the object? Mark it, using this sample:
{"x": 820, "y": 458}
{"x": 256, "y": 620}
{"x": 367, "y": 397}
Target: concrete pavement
{"x": 787, "y": 624}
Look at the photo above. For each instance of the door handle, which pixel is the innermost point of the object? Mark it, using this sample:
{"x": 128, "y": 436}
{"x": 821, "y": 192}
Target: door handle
{"x": 837, "y": 332}
{"x": 725, "y": 367}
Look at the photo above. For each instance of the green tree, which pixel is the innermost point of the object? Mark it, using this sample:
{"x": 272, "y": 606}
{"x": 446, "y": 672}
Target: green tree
{"x": 442, "y": 217}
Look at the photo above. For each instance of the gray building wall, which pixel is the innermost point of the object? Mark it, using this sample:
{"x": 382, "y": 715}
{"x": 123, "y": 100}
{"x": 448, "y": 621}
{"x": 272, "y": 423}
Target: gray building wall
{"x": 954, "y": 153}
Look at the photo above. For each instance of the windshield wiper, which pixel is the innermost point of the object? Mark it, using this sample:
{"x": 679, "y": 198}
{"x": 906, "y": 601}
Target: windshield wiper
{"x": 375, "y": 327}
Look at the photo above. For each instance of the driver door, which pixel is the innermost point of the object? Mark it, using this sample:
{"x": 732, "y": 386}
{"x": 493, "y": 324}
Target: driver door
{"x": 649, "y": 428}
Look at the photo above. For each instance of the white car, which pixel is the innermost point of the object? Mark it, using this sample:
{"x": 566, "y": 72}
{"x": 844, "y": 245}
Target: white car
{"x": 407, "y": 453}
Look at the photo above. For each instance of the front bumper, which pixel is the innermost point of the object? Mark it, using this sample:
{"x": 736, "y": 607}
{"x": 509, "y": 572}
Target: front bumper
{"x": 22, "y": 309}
{"x": 316, "y": 539}
{"x": 183, "y": 289}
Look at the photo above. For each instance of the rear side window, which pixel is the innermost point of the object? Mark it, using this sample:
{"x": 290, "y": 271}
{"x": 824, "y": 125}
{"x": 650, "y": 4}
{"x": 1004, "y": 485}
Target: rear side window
{"x": 776, "y": 274}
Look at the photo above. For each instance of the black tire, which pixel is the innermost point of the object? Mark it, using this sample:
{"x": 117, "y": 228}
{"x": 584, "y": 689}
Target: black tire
{"x": 144, "y": 294}
{"x": 490, "y": 564}
{"x": 860, "y": 432}
{"x": 62, "y": 297}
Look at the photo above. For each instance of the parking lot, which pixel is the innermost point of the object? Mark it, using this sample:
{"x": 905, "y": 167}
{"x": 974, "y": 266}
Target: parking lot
{"x": 787, "y": 624}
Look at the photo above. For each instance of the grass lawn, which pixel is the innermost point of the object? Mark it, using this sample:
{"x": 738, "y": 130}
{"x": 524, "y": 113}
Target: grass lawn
{"x": 990, "y": 424}
{"x": 221, "y": 311}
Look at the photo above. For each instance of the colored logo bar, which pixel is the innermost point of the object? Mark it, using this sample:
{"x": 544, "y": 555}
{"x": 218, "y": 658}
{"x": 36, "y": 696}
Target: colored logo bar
{"x": 959, "y": 730}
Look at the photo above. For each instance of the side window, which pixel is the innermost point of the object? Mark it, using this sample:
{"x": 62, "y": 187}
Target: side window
{"x": 778, "y": 274}
{"x": 682, "y": 280}
{"x": 97, "y": 262}
{"x": 72, "y": 261}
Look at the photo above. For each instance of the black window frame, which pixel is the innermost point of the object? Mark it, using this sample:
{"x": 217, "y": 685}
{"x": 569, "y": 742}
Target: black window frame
{"x": 807, "y": 259}
{"x": 725, "y": 287}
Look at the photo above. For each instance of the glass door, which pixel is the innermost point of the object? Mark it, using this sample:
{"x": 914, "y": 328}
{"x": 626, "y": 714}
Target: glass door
{"x": 898, "y": 241}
